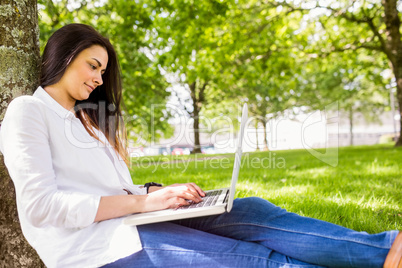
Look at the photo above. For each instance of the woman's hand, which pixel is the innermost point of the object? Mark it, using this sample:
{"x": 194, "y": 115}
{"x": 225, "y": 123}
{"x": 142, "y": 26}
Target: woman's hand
{"x": 158, "y": 198}
{"x": 173, "y": 196}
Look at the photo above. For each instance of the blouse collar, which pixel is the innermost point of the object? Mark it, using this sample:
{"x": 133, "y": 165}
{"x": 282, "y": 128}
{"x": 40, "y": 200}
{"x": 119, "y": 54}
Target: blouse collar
{"x": 41, "y": 94}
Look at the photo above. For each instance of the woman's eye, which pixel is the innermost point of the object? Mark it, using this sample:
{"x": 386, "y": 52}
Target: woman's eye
{"x": 93, "y": 67}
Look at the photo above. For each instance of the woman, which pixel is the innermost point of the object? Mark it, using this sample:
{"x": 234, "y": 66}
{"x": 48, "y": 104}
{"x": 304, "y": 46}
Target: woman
{"x": 63, "y": 149}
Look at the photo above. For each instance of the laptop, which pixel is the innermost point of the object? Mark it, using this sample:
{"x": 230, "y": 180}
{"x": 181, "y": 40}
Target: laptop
{"x": 216, "y": 201}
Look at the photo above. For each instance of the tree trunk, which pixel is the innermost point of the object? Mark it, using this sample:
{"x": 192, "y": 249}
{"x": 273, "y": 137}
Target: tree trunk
{"x": 196, "y": 118}
{"x": 394, "y": 50}
{"x": 19, "y": 71}
{"x": 198, "y": 100}
{"x": 399, "y": 94}
{"x": 264, "y": 124}
{"x": 196, "y": 127}
{"x": 256, "y": 134}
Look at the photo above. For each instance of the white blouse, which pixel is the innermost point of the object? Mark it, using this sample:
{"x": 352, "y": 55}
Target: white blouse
{"x": 60, "y": 173}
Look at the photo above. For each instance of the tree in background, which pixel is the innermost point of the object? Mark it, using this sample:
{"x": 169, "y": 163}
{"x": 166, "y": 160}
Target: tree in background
{"x": 345, "y": 26}
{"x": 355, "y": 81}
{"x": 266, "y": 60}
{"x": 261, "y": 52}
{"x": 188, "y": 44}
{"x": 19, "y": 53}
{"x": 220, "y": 50}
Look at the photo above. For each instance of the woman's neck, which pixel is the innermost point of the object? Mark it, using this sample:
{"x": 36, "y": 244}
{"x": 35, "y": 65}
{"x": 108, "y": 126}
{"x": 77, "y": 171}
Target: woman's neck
{"x": 61, "y": 98}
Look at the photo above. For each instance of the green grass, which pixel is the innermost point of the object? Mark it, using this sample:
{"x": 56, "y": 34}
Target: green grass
{"x": 362, "y": 192}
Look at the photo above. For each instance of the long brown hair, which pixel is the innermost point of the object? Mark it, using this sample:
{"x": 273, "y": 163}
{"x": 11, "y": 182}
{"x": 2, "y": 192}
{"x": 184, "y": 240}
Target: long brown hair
{"x": 102, "y": 110}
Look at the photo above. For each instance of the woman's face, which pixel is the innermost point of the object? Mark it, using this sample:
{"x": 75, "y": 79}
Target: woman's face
{"x": 84, "y": 73}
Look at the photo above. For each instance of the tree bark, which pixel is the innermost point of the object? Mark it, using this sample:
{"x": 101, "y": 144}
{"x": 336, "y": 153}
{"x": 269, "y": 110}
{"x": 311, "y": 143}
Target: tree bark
{"x": 19, "y": 72}
{"x": 197, "y": 104}
{"x": 196, "y": 127}
{"x": 256, "y": 135}
{"x": 264, "y": 124}
{"x": 394, "y": 50}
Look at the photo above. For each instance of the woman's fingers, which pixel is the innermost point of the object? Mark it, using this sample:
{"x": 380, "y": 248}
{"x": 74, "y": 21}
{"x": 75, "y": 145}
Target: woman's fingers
{"x": 186, "y": 192}
{"x": 179, "y": 202}
{"x": 175, "y": 195}
{"x": 197, "y": 189}
{"x": 193, "y": 188}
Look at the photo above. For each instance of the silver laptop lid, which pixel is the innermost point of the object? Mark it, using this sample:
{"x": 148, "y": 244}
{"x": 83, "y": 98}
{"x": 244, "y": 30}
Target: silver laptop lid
{"x": 237, "y": 162}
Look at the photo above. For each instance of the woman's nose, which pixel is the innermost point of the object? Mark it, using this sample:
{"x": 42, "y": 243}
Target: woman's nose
{"x": 98, "y": 79}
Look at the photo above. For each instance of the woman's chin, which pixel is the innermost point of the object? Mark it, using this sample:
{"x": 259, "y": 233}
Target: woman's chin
{"x": 86, "y": 95}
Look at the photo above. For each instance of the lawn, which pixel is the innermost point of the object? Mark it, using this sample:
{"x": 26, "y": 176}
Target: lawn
{"x": 361, "y": 190}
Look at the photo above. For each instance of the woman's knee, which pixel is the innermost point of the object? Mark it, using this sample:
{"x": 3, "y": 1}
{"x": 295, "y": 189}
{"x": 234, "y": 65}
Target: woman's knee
{"x": 256, "y": 205}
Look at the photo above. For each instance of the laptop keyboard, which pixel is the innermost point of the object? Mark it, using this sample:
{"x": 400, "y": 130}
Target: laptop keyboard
{"x": 209, "y": 199}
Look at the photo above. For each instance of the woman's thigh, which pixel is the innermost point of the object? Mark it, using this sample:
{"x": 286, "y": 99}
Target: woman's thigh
{"x": 171, "y": 245}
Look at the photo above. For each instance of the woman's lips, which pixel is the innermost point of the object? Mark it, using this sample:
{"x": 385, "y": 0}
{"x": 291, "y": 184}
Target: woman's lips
{"x": 90, "y": 87}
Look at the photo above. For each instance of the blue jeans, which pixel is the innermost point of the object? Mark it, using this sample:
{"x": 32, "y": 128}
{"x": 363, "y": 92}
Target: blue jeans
{"x": 257, "y": 233}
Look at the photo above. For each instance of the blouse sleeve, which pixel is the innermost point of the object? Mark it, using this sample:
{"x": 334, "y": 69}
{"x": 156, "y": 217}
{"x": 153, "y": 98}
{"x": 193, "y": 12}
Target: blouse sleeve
{"x": 24, "y": 142}
{"x": 137, "y": 189}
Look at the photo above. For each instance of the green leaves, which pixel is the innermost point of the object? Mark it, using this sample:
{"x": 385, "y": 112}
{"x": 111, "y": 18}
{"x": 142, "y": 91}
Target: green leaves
{"x": 275, "y": 55}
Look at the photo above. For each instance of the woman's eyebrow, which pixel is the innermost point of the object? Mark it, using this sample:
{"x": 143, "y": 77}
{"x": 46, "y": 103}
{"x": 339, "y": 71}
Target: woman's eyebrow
{"x": 100, "y": 64}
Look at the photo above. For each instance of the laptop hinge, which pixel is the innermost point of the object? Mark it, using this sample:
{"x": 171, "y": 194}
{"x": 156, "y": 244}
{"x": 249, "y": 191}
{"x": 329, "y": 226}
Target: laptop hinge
{"x": 226, "y": 197}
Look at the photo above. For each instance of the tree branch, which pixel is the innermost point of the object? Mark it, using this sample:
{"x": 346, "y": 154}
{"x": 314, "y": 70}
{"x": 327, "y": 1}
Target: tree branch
{"x": 201, "y": 95}
{"x": 376, "y": 32}
{"x": 358, "y": 46}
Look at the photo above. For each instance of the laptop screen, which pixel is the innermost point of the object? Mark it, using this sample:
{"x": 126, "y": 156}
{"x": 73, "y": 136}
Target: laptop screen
{"x": 237, "y": 161}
